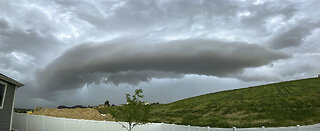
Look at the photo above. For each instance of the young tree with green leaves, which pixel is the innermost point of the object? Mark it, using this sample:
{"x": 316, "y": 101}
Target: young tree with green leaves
{"x": 134, "y": 112}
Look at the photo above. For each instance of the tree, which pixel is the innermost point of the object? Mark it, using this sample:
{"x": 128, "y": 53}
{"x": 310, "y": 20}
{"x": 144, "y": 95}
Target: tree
{"x": 134, "y": 112}
{"x": 107, "y": 103}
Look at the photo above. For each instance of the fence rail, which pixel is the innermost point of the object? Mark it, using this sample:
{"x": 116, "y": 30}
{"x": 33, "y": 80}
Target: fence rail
{"x": 25, "y": 122}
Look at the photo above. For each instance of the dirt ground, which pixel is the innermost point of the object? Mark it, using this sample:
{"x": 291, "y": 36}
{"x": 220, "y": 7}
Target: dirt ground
{"x": 77, "y": 113}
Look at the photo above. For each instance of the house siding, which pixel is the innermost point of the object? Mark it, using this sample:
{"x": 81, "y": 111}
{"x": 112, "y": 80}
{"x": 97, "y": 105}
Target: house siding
{"x": 5, "y": 113}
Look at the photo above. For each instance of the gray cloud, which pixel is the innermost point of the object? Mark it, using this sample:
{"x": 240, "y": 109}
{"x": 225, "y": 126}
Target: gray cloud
{"x": 135, "y": 77}
{"x": 24, "y": 50}
{"x": 34, "y": 36}
{"x": 28, "y": 41}
{"x": 131, "y": 62}
{"x": 258, "y": 14}
{"x": 151, "y": 18}
{"x": 293, "y": 36}
{"x": 3, "y": 24}
{"x": 297, "y": 67}
{"x": 154, "y": 18}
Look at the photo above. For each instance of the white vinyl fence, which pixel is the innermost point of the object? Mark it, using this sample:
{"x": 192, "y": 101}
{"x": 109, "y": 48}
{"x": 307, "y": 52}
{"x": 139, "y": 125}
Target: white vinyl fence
{"x": 25, "y": 122}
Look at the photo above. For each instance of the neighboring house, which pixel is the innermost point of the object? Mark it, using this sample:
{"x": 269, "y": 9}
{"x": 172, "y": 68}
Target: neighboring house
{"x": 8, "y": 88}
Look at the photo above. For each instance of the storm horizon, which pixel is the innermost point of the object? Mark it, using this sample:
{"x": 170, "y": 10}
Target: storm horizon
{"x": 86, "y": 52}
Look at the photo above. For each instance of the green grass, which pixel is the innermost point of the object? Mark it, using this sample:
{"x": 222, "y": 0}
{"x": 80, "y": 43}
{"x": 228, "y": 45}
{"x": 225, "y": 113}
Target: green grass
{"x": 281, "y": 104}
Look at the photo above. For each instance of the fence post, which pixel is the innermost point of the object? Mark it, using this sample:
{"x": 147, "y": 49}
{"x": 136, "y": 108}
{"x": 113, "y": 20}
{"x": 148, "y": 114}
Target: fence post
{"x": 262, "y": 128}
{"x": 64, "y": 124}
{"x": 234, "y": 128}
{"x": 161, "y": 126}
{"x": 26, "y": 122}
{"x": 189, "y": 128}
{"x": 298, "y": 128}
{"x": 42, "y": 122}
{"x": 172, "y": 127}
{"x": 147, "y": 126}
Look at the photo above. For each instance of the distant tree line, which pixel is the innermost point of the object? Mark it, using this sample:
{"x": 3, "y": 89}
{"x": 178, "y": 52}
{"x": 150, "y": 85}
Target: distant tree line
{"x": 72, "y": 107}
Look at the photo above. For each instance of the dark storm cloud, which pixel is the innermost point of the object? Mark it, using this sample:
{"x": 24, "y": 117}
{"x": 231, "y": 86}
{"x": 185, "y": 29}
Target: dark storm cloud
{"x": 34, "y": 33}
{"x": 132, "y": 62}
{"x": 135, "y": 77}
{"x": 293, "y": 36}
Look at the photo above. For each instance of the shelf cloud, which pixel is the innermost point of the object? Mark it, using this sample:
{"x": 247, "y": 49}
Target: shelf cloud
{"x": 128, "y": 61}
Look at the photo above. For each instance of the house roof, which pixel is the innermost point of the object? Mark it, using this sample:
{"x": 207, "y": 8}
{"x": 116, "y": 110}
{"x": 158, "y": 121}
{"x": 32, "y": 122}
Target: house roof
{"x": 10, "y": 80}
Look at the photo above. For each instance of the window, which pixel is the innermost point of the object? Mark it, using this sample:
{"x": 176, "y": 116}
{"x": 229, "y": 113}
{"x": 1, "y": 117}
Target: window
{"x": 3, "y": 87}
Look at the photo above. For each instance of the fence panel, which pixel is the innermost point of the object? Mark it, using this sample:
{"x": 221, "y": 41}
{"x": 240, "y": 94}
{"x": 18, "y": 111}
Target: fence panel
{"x": 140, "y": 127}
{"x": 73, "y": 125}
{"x": 35, "y": 122}
{"x": 93, "y": 125}
{"x": 167, "y": 127}
{"x": 112, "y": 126}
{"x": 281, "y": 129}
{"x": 52, "y": 124}
{"x": 311, "y": 128}
{"x": 249, "y": 129}
{"x": 25, "y": 122}
{"x": 19, "y": 122}
{"x": 220, "y": 129}
{"x": 180, "y": 128}
{"x": 199, "y": 129}
{"x": 154, "y": 127}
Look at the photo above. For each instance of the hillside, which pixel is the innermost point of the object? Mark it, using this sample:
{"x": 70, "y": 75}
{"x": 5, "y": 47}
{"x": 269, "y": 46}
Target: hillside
{"x": 280, "y": 104}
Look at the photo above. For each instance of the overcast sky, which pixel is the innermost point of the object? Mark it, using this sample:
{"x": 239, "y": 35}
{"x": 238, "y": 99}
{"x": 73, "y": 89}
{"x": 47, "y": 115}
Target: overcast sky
{"x": 70, "y": 52}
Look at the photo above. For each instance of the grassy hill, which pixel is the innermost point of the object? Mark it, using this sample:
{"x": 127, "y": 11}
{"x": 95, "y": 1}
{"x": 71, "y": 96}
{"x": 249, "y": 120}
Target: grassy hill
{"x": 281, "y": 104}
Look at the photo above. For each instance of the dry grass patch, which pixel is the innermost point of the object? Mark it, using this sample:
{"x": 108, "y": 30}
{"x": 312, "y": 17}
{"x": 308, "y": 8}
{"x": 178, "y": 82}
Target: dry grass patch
{"x": 77, "y": 113}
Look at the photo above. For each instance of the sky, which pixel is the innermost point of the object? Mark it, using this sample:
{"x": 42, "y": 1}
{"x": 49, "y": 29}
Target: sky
{"x": 84, "y": 52}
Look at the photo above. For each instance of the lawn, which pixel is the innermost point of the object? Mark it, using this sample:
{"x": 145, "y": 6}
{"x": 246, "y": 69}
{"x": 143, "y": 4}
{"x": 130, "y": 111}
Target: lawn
{"x": 274, "y": 105}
